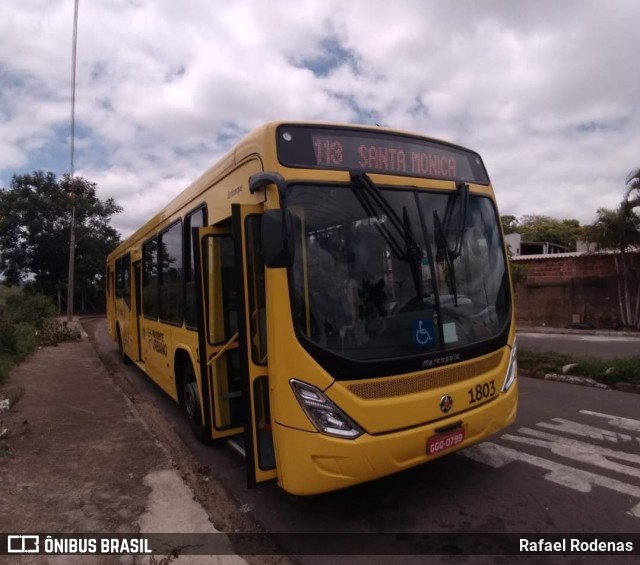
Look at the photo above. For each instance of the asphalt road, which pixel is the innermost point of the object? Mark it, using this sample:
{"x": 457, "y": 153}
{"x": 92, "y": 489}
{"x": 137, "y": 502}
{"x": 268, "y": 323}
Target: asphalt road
{"x": 570, "y": 464}
{"x": 592, "y": 345}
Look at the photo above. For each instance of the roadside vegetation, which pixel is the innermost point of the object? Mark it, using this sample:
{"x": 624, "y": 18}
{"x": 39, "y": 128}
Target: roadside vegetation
{"x": 37, "y": 211}
{"x": 606, "y": 371}
{"x": 6, "y": 291}
{"x": 27, "y": 321}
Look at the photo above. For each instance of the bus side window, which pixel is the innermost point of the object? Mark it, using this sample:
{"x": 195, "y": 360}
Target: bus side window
{"x": 126, "y": 279}
{"x": 118, "y": 276}
{"x": 171, "y": 280}
{"x": 123, "y": 279}
{"x": 195, "y": 220}
{"x": 150, "y": 279}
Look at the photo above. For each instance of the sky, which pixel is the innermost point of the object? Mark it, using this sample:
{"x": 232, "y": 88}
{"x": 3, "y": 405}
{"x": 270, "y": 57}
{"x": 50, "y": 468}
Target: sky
{"x": 547, "y": 92}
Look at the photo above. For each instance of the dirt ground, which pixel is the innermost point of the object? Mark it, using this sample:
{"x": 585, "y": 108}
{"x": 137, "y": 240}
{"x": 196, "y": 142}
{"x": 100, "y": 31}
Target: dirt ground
{"x": 77, "y": 448}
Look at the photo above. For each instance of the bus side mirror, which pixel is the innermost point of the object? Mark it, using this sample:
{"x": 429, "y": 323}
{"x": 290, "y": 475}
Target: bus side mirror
{"x": 277, "y": 239}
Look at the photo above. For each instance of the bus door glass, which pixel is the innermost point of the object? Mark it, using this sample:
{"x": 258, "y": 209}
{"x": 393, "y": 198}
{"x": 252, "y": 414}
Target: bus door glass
{"x": 233, "y": 370}
{"x": 219, "y": 352}
{"x": 258, "y": 439}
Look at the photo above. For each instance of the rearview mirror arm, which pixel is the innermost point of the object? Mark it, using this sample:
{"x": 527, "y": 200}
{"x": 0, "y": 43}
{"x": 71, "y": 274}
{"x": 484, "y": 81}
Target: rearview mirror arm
{"x": 261, "y": 181}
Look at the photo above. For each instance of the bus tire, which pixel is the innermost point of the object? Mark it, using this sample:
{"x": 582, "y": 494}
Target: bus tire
{"x": 191, "y": 406}
{"x": 123, "y": 355}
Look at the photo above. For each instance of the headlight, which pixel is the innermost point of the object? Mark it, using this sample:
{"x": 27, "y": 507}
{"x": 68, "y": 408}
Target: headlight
{"x": 323, "y": 413}
{"x": 512, "y": 371}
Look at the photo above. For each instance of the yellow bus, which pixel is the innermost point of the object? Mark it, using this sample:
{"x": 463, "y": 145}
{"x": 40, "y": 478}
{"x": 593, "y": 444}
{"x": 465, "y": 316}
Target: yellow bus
{"x": 333, "y": 300}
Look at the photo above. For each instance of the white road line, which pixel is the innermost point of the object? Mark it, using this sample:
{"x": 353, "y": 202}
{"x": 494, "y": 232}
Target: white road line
{"x": 616, "y": 421}
{"x": 497, "y": 456}
{"x": 574, "y": 428}
{"x": 606, "y": 338}
{"x": 579, "y": 451}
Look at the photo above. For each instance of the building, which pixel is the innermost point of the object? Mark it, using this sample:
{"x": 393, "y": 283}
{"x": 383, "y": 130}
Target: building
{"x": 518, "y": 247}
{"x": 580, "y": 287}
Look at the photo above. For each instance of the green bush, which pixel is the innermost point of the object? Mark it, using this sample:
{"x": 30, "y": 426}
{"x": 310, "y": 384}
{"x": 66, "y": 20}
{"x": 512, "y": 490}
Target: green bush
{"x": 607, "y": 371}
{"x": 26, "y": 321}
{"x": 7, "y": 340}
{"x": 31, "y": 308}
{"x": 6, "y": 362}
{"x": 17, "y": 340}
{"x": 610, "y": 370}
{"x": 26, "y": 339}
{"x": 543, "y": 361}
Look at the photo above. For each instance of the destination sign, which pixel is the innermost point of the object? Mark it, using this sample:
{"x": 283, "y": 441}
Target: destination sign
{"x": 376, "y": 152}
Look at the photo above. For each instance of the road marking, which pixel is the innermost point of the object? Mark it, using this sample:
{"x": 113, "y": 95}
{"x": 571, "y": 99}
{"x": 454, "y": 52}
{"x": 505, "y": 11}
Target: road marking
{"x": 578, "y": 450}
{"x": 497, "y": 456}
{"x": 616, "y": 421}
{"x": 574, "y": 428}
{"x": 605, "y": 338}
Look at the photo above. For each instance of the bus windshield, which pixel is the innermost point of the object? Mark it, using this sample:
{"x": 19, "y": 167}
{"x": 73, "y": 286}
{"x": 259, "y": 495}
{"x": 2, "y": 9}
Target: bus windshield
{"x": 413, "y": 274}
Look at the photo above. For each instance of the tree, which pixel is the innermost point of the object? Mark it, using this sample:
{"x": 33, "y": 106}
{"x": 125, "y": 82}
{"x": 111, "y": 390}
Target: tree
{"x": 544, "y": 228}
{"x": 35, "y": 217}
{"x": 632, "y": 184}
{"x": 616, "y": 229}
{"x": 509, "y": 224}
{"x": 619, "y": 230}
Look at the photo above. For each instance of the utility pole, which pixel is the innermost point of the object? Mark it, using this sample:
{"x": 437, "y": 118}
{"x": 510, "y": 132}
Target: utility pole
{"x": 72, "y": 260}
{"x": 72, "y": 230}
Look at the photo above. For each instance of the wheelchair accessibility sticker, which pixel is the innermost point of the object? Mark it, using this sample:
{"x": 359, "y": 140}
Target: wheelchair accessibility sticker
{"x": 423, "y": 333}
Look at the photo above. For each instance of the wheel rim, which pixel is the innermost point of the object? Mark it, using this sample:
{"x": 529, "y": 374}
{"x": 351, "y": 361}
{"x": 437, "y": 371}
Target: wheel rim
{"x": 190, "y": 400}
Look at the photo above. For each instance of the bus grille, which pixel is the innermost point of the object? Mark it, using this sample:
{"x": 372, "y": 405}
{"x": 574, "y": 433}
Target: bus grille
{"x": 425, "y": 381}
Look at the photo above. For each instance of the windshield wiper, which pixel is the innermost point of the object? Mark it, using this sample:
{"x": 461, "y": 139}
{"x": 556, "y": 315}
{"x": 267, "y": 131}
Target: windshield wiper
{"x": 450, "y": 254}
{"x": 372, "y": 194}
{"x": 463, "y": 194}
{"x": 445, "y": 253}
{"x": 370, "y": 197}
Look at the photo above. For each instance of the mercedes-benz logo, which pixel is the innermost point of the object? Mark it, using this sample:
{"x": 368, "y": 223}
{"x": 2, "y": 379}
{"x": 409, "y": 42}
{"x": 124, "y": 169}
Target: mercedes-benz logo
{"x": 446, "y": 402}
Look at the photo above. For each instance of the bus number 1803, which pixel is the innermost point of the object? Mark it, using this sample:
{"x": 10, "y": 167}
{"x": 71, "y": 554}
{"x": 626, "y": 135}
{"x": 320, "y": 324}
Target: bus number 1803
{"x": 481, "y": 392}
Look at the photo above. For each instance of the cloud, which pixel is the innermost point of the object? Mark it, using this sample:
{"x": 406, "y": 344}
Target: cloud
{"x": 546, "y": 92}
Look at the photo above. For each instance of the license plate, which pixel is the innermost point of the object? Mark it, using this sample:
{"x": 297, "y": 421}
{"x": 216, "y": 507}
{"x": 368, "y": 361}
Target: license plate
{"x": 447, "y": 440}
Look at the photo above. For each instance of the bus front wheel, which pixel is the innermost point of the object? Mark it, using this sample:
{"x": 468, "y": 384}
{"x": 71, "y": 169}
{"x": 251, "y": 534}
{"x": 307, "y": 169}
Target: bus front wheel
{"x": 191, "y": 406}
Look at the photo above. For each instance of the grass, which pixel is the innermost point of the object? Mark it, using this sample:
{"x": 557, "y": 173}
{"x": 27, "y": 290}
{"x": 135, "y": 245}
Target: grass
{"x": 6, "y": 291}
{"x": 608, "y": 371}
{"x": 6, "y": 362}
{"x": 27, "y": 321}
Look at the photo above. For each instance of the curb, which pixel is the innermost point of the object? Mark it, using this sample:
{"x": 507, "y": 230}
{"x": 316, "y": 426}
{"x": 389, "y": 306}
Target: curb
{"x": 582, "y": 381}
{"x": 548, "y": 330}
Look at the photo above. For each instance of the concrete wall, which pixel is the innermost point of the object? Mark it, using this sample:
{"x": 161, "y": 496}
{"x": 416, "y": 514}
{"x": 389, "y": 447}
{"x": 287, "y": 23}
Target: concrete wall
{"x": 562, "y": 289}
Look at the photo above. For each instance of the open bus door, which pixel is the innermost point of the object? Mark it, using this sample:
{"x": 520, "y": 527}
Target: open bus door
{"x": 233, "y": 367}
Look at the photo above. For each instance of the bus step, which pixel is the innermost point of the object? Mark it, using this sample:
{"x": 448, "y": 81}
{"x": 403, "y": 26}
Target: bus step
{"x": 237, "y": 444}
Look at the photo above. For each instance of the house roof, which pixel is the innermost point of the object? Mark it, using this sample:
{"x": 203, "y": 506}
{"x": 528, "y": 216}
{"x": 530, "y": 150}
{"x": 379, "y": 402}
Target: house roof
{"x": 570, "y": 255}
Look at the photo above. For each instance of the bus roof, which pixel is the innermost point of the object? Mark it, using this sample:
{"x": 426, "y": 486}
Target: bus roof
{"x": 253, "y": 143}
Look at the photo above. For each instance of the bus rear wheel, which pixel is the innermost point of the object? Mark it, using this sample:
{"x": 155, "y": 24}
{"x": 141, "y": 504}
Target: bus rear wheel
{"x": 123, "y": 355}
{"x": 191, "y": 406}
